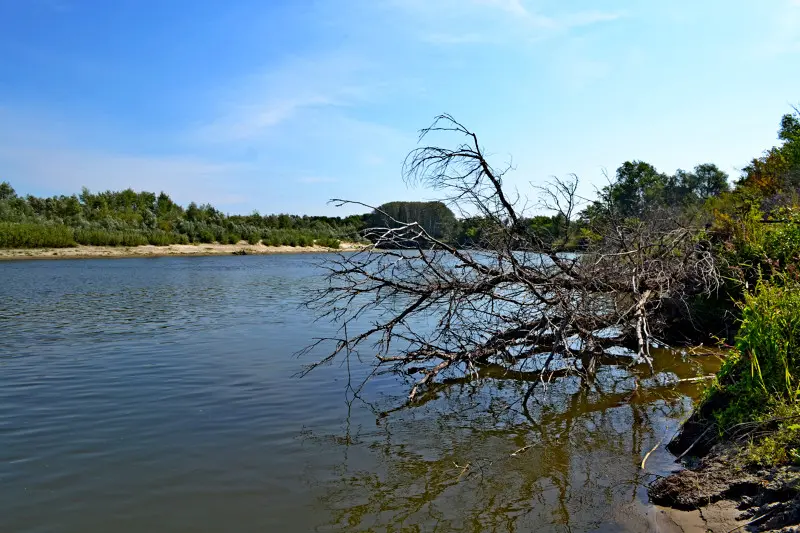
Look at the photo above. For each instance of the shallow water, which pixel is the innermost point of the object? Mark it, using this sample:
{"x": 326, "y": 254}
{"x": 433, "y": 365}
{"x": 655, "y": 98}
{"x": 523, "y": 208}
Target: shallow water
{"x": 160, "y": 395}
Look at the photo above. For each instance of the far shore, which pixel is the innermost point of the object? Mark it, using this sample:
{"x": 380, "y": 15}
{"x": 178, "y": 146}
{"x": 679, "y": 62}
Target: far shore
{"x": 94, "y": 252}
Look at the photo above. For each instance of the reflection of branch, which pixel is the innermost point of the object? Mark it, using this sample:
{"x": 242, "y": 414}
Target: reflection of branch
{"x": 647, "y": 455}
{"x": 502, "y": 472}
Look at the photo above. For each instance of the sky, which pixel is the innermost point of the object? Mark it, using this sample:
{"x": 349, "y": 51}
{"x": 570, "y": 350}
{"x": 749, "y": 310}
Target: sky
{"x": 279, "y": 106}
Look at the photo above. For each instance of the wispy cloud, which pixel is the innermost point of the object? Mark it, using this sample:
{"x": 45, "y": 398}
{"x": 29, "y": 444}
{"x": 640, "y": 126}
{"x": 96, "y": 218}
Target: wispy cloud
{"x": 263, "y": 102}
{"x": 588, "y": 18}
{"x": 497, "y": 21}
{"x": 785, "y": 37}
{"x": 514, "y": 7}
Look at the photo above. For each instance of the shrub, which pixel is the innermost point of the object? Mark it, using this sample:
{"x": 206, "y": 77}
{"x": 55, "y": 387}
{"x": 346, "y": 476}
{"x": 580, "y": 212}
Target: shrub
{"x": 98, "y": 237}
{"x": 131, "y": 238}
{"x": 328, "y": 242}
{"x": 205, "y": 236}
{"x": 22, "y": 235}
{"x": 164, "y": 238}
{"x": 764, "y": 371}
{"x": 102, "y": 237}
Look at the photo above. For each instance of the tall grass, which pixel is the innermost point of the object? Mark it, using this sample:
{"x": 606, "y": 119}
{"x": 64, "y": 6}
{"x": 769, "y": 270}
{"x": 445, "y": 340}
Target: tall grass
{"x": 22, "y": 235}
{"x": 328, "y": 242}
{"x": 101, "y": 237}
{"x": 770, "y": 337}
{"x": 35, "y": 235}
{"x": 764, "y": 370}
{"x": 280, "y": 237}
{"x": 165, "y": 238}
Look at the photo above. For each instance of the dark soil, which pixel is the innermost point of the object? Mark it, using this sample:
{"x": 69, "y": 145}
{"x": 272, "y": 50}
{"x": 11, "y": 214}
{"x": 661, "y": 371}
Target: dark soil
{"x": 769, "y": 499}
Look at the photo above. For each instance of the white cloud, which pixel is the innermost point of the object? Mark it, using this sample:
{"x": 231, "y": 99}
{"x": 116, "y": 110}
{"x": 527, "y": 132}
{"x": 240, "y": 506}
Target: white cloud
{"x": 259, "y": 104}
{"x": 588, "y": 18}
{"x": 451, "y": 22}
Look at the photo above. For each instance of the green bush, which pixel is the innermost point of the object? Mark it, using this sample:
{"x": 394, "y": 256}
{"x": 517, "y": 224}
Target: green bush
{"x": 22, "y": 235}
{"x": 102, "y": 237}
{"x": 764, "y": 371}
{"x": 253, "y": 238}
{"x": 131, "y": 238}
{"x": 205, "y": 236}
{"x": 97, "y": 237}
{"x": 165, "y": 238}
{"x": 328, "y": 242}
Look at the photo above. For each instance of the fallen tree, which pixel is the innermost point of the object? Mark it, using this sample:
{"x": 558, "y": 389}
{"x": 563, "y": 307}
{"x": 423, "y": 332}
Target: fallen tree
{"x": 512, "y": 298}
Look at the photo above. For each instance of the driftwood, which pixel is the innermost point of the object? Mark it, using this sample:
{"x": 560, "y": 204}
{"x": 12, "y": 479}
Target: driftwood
{"x": 513, "y": 299}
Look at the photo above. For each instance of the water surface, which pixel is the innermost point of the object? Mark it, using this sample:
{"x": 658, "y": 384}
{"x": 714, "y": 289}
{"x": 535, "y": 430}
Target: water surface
{"x": 160, "y": 395}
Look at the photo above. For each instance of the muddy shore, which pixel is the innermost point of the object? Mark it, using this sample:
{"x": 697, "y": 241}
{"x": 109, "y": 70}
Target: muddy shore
{"x": 93, "y": 252}
{"x": 718, "y": 491}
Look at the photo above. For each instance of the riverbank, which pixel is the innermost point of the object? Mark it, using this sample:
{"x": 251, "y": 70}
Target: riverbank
{"x": 93, "y": 252}
{"x": 721, "y": 491}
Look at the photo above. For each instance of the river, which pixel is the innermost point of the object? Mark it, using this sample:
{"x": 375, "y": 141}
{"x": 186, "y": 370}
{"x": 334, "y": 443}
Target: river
{"x": 162, "y": 395}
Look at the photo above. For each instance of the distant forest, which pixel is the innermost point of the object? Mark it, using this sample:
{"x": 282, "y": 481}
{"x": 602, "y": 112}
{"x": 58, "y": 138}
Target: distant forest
{"x": 130, "y": 218}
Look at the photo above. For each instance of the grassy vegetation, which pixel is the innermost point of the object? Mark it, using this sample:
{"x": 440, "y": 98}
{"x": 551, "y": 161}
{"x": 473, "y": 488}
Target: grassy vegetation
{"x": 129, "y": 218}
{"x": 15, "y": 235}
{"x": 755, "y": 233}
{"x": 758, "y": 388}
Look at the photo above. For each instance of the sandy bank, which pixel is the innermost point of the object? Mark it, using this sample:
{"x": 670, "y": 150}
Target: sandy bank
{"x": 717, "y": 517}
{"x": 86, "y": 252}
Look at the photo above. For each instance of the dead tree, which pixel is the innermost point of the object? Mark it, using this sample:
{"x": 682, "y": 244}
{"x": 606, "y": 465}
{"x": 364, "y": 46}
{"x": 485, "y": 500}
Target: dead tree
{"x": 513, "y": 298}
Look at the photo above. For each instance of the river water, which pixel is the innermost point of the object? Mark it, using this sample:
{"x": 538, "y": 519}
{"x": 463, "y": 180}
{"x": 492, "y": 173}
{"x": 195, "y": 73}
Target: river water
{"x": 161, "y": 395}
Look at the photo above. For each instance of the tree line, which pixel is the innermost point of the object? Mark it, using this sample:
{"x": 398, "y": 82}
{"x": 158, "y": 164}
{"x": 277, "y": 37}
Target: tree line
{"x": 636, "y": 187}
{"x": 130, "y": 218}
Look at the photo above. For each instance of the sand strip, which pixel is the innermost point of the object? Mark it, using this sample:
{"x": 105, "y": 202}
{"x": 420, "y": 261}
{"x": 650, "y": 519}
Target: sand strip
{"x": 92, "y": 252}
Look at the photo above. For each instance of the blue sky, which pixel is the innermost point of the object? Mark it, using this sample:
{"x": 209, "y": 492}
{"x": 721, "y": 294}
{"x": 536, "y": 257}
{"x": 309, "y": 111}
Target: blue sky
{"x": 282, "y": 105}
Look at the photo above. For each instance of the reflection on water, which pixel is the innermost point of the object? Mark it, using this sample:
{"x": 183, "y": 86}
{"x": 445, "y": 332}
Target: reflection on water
{"x": 510, "y": 456}
{"x": 158, "y": 395}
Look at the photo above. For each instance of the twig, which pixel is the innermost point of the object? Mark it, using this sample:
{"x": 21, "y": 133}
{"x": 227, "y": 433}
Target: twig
{"x": 647, "y": 455}
{"x": 753, "y": 521}
{"x": 463, "y": 471}
{"x": 695, "y": 380}
{"x": 521, "y": 450}
{"x": 687, "y": 450}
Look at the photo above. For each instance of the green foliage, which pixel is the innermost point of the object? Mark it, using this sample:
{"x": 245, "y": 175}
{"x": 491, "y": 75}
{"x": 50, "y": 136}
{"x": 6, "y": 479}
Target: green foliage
{"x": 164, "y": 238}
{"x": 7, "y": 192}
{"x": 128, "y": 218}
{"x": 14, "y": 235}
{"x": 101, "y": 237}
{"x": 206, "y": 236}
{"x": 435, "y": 217}
{"x": 328, "y": 242}
{"x": 782, "y": 445}
{"x": 638, "y": 185}
{"x": 763, "y": 374}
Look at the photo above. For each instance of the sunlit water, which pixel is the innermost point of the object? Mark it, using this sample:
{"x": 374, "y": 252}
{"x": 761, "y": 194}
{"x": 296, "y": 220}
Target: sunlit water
{"x": 160, "y": 395}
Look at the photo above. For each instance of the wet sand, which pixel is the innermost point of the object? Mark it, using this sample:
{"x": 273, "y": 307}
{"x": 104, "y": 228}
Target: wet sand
{"x": 92, "y": 252}
{"x": 718, "y": 517}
